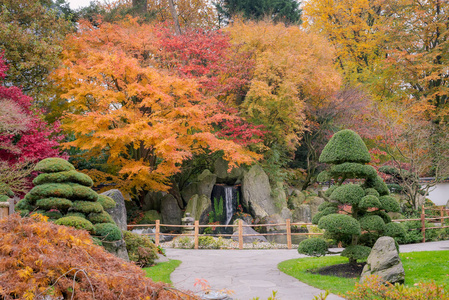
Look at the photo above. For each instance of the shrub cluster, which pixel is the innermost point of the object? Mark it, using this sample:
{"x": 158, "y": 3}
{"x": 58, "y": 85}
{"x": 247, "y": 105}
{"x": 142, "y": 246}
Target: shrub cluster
{"x": 140, "y": 249}
{"x": 313, "y": 247}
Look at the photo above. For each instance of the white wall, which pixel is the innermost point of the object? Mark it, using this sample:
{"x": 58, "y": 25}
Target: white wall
{"x": 440, "y": 194}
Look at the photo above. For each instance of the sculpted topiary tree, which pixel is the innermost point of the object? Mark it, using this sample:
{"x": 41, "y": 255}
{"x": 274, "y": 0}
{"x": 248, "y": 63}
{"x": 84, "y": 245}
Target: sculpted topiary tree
{"x": 354, "y": 213}
{"x": 65, "y": 196}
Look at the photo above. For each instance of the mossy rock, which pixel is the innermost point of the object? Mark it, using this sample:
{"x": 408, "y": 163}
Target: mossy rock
{"x": 372, "y": 223}
{"x": 353, "y": 170}
{"x": 348, "y": 193}
{"x": 150, "y": 217}
{"x": 345, "y": 146}
{"x": 390, "y": 204}
{"x": 340, "y": 224}
{"x": 49, "y": 190}
{"x": 87, "y": 207}
{"x": 106, "y": 202}
{"x": 84, "y": 193}
{"x": 370, "y": 201}
{"x": 61, "y": 177}
{"x": 53, "y": 164}
{"x": 102, "y": 217}
{"x": 58, "y": 203}
{"x": 24, "y": 204}
{"x": 76, "y": 222}
{"x": 108, "y": 232}
{"x": 313, "y": 247}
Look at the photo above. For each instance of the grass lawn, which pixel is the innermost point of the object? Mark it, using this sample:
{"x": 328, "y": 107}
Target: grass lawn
{"x": 162, "y": 271}
{"x": 418, "y": 266}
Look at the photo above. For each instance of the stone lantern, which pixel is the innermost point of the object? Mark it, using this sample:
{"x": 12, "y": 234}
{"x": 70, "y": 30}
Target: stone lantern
{"x": 188, "y": 221}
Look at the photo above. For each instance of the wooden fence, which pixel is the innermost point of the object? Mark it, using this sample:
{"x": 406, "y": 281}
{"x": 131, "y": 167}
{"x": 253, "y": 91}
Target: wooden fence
{"x": 7, "y": 208}
{"x": 287, "y": 225}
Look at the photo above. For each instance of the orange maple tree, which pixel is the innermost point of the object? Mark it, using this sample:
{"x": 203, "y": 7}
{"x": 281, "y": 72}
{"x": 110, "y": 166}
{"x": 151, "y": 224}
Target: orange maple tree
{"x": 148, "y": 122}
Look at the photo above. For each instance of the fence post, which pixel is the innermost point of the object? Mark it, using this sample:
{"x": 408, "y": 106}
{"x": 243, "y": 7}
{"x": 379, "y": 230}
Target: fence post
{"x": 423, "y": 224}
{"x": 4, "y": 209}
{"x": 442, "y": 216}
{"x": 196, "y": 233}
{"x": 156, "y": 238}
{"x": 240, "y": 234}
{"x": 289, "y": 235}
{"x": 11, "y": 202}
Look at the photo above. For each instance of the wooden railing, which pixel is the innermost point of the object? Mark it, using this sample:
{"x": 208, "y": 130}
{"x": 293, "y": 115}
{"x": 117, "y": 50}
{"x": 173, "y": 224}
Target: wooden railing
{"x": 196, "y": 229}
{"x": 6, "y": 208}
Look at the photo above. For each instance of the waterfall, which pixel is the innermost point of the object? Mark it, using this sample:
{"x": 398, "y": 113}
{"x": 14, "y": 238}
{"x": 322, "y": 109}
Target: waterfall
{"x": 228, "y": 194}
{"x": 228, "y": 202}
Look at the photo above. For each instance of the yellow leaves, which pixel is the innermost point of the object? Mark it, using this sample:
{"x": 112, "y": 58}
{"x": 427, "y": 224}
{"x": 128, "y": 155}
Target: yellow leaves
{"x": 29, "y": 295}
{"x": 25, "y": 273}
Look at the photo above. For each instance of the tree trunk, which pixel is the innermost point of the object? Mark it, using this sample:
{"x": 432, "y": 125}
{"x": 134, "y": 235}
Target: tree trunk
{"x": 175, "y": 17}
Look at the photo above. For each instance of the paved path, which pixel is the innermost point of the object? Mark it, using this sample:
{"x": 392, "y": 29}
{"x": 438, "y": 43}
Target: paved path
{"x": 252, "y": 273}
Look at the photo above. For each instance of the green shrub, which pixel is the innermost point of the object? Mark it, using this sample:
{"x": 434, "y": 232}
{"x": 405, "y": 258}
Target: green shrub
{"x": 4, "y": 198}
{"x": 53, "y": 214}
{"x": 394, "y": 230}
{"x": 371, "y": 191}
{"x": 96, "y": 241}
{"x": 61, "y": 177}
{"x": 313, "y": 247}
{"x": 323, "y": 176}
{"x": 206, "y": 242}
{"x": 340, "y": 224}
{"x": 325, "y": 205}
{"x": 383, "y": 215}
{"x": 76, "y": 222}
{"x": 150, "y": 217}
{"x": 53, "y": 164}
{"x": 102, "y": 217}
{"x": 24, "y": 205}
{"x": 58, "y": 203}
{"x": 108, "y": 232}
{"x": 140, "y": 249}
{"x": 412, "y": 233}
{"x": 390, "y": 204}
{"x": 85, "y": 193}
{"x": 348, "y": 193}
{"x": 345, "y": 146}
{"x": 76, "y": 214}
{"x": 327, "y": 211}
{"x": 106, "y": 202}
{"x": 87, "y": 207}
{"x": 370, "y": 201}
{"x": 372, "y": 223}
{"x": 378, "y": 184}
{"x": 57, "y": 190}
{"x": 184, "y": 242}
{"x": 356, "y": 252}
{"x": 353, "y": 170}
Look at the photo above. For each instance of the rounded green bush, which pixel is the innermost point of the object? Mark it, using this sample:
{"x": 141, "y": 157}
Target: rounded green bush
{"x": 378, "y": 184}
{"x": 106, "y": 202}
{"x": 53, "y": 214}
{"x": 389, "y": 204}
{"x": 31, "y": 199}
{"x": 206, "y": 241}
{"x": 76, "y": 214}
{"x": 353, "y": 170}
{"x": 325, "y": 205}
{"x": 327, "y": 211}
{"x": 76, "y": 222}
{"x": 383, "y": 215}
{"x": 394, "y": 230}
{"x": 140, "y": 249}
{"x": 57, "y": 190}
{"x": 313, "y": 247}
{"x": 49, "y": 203}
{"x": 372, "y": 223}
{"x": 345, "y": 146}
{"x": 85, "y": 193}
{"x": 371, "y": 191}
{"x": 96, "y": 241}
{"x": 24, "y": 204}
{"x": 150, "y": 217}
{"x": 65, "y": 176}
{"x": 340, "y": 224}
{"x": 102, "y": 217}
{"x": 330, "y": 190}
{"x": 4, "y": 198}
{"x": 356, "y": 252}
{"x": 108, "y": 232}
{"x": 87, "y": 207}
{"x": 370, "y": 201}
{"x": 53, "y": 164}
{"x": 348, "y": 193}
{"x": 323, "y": 176}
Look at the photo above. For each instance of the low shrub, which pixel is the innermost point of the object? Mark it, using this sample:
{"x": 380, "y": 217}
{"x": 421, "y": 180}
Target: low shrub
{"x": 48, "y": 190}
{"x": 339, "y": 223}
{"x": 184, "y": 242}
{"x": 66, "y": 176}
{"x": 58, "y": 203}
{"x": 87, "y": 207}
{"x": 356, "y": 252}
{"x": 108, "y": 232}
{"x": 313, "y": 247}
{"x": 81, "y": 192}
{"x": 102, "y": 217}
{"x": 140, "y": 249}
{"x": 76, "y": 222}
{"x": 53, "y": 164}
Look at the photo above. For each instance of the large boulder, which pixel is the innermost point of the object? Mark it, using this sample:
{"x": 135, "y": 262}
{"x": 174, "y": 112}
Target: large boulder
{"x": 247, "y": 230}
{"x": 296, "y": 199}
{"x": 199, "y": 206}
{"x": 232, "y": 177}
{"x": 302, "y": 213}
{"x": 171, "y": 214}
{"x": 314, "y": 202}
{"x": 152, "y": 200}
{"x": 384, "y": 261}
{"x": 257, "y": 193}
{"x": 118, "y": 213}
{"x": 118, "y": 248}
{"x": 203, "y": 186}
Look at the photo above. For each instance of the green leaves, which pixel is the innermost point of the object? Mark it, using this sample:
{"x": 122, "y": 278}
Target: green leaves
{"x": 345, "y": 146}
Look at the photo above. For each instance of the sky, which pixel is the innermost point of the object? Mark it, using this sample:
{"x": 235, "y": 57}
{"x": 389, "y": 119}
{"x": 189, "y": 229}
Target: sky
{"x": 74, "y": 4}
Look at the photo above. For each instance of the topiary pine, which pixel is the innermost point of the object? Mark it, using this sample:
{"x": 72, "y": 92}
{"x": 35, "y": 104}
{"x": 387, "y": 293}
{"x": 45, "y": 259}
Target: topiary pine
{"x": 65, "y": 196}
{"x": 357, "y": 212}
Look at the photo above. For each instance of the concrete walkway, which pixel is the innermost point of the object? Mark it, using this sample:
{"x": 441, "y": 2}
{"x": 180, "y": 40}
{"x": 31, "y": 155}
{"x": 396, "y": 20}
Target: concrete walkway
{"x": 252, "y": 273}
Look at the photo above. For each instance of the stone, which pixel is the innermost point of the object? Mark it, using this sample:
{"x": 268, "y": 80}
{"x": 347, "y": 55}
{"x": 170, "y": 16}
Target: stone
{"x": 447, "y": 204}
{"x": 118, "y": 248}
{"x": 247, "y": 230}
{"x": 296, "y": 199}
{"x": 314, "y": 202}
{"x": 199, "y": 207}
{"x": 118, "y": 213}
{"x": 384, "y": 261}
{"x": 302, "y": 213}
{"x": 171, "y": 214}
{"x": 233, "y": 177}
{"x": 279, "y": 196}
{"x": 152, "y": 200}
{"x": 150, "y": 217}
{"x": 203, "y": 186}
{"x": 256, "y": 192}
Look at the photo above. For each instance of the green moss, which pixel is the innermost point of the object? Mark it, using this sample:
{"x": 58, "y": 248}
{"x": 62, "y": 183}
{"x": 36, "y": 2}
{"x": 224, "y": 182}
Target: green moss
{"x": 372, "y": 223}
{"x": 108, "y": 232}
{"x": 140, "y": 249}
{"x": 87, "y": 207}
{"x": 106, "y": 202}
{"x": 345, "y": 146}
{"x": 53, "y": 164}
{"x": 394, "y": 230}
{"x": 348, "y": 193}
{"x": 102, "y": 217}
{"x": 76, "y": 222}
{"x": 66, "y": 176}
{"x": 150, "y": 217}
{"x": 58, "y": 203}
{"x": 356, "y": 252}
{"x": 81, "y": 192}
{"x": 313, "y": 247}
{"x": 353, "y": 170}
{"x": 389, "y": 204}
{"x": 340, "y": 224}
{"x": 57, "y": 190}
{"x": 24, "y": 204}
{"x": 370, "y": 201}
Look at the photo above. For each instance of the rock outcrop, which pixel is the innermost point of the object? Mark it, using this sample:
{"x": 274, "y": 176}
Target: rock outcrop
{"x": 118, "y": 213}
{"x": 198, "y": 207}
